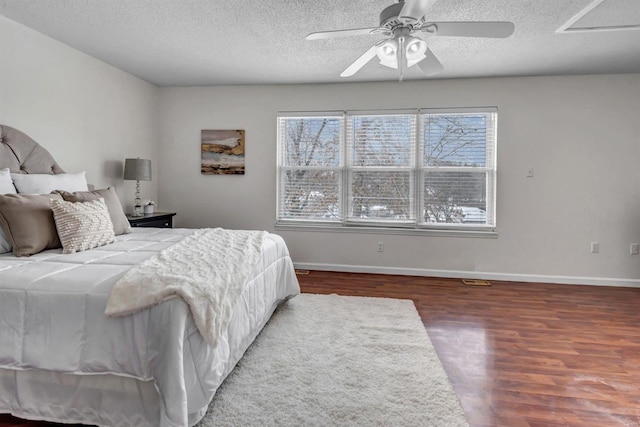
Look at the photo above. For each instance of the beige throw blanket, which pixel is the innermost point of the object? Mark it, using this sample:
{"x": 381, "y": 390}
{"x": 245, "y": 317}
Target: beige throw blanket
{"x": 208, "y": 269}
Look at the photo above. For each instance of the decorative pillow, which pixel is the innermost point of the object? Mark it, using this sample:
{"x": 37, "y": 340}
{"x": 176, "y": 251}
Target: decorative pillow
{"x": 118, "y": 218}
{"x": 27, "y": 220}
{"x": 6, "y": 184}
{"x": 46, "y": 183}
{"x": 83, "y": 225}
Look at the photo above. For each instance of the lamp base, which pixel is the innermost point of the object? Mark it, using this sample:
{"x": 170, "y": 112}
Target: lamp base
{"x": 138, "y": 211}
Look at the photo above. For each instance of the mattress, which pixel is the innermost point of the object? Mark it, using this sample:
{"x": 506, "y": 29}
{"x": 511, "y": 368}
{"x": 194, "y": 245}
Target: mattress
{"x": 62, "y": 360}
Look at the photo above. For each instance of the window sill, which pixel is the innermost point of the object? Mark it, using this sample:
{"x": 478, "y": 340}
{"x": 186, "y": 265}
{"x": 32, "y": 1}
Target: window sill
{"x": 486, "y": 234}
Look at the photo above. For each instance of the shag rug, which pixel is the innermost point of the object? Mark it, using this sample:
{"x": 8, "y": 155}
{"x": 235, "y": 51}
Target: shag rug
{"x": 329, "y": 360}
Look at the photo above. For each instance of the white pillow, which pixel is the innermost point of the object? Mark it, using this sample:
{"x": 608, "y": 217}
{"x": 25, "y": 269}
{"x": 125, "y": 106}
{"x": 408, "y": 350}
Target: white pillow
{"x": 45, "y": 183}
{"x": 6, "y": 184}
{"x": 5, "y": 244}
{"x": 82, "y": 225}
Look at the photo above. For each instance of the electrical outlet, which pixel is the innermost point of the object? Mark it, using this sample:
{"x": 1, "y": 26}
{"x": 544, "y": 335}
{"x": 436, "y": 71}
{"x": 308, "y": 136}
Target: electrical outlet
{"x": 380, "y": 246}
{"x": 633, "y": 249}
{"x": 595, "y": 247}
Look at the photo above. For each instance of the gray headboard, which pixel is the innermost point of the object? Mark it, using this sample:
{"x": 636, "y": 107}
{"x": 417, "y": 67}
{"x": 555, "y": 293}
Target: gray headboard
{"x": 22, "y": 154}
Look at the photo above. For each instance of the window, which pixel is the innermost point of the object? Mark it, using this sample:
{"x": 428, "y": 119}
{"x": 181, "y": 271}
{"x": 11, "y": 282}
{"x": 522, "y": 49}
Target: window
{"x": 310, "y": 168}
{"x": 458, "y": 169}
{"x": 418, "y": 169}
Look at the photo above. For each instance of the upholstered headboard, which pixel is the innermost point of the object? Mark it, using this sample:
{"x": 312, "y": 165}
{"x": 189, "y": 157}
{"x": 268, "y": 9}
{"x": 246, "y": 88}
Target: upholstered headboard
{"x": 22, "y": 154}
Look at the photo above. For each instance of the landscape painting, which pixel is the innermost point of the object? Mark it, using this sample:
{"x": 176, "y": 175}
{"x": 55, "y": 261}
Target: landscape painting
{"x": 222, "y": 152}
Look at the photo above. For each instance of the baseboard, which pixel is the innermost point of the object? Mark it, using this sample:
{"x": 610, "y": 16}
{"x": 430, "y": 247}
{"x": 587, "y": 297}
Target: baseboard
{"x": 456, "y": 274}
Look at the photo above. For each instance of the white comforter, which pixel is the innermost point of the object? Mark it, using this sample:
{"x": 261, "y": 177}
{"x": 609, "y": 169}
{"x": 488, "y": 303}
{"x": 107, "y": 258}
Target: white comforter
{"x": 207, "y": 269}
{"x": 52, "y": 318}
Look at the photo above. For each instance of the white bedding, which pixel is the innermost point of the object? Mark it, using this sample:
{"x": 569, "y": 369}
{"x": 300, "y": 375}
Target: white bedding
{"x": 210, "y": 285}
{"x": 151, "y": 368}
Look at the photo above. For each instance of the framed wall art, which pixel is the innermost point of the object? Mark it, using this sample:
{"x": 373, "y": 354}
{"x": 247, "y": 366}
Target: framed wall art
{"x": 222, "y": 152}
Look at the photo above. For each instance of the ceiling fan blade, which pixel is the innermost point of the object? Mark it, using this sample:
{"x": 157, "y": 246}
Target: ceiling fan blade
{"x": 360, "y": 62}
{"x": 430, "y": 65}
{"x": 470, "y": 29}
{"x": 414, "y": 10}
{"x": 340, "y": 33}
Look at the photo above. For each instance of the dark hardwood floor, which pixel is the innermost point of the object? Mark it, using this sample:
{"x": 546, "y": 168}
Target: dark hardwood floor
{"x": 523, "y": 354}
{"x": 518, "y": 354}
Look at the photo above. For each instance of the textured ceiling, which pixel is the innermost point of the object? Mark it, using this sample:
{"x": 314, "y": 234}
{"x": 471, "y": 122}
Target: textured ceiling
{"x": 214, "y": 42}
{"x": 611, "y": 12}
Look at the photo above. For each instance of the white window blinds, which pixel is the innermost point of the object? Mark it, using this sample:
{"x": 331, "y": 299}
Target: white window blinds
{"x": 381, "y": 159}
{"x": 410, "y": 169}
{"x": 458, "y": 169}
{"x": 310, "y": 167}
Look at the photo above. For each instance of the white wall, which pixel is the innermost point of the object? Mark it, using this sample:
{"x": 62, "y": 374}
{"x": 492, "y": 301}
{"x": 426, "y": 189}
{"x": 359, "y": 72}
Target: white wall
{"x": 88, "y": 114}
{"x": 580, "y": 134}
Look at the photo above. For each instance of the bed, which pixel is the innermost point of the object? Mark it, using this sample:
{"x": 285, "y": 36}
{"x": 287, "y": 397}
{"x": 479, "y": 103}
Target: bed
{"x": 63, "y": 360}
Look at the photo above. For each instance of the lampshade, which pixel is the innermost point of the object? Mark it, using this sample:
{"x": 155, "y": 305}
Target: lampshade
{"x": 137, "y": 169}
{"x": 387, "y": 53}
{"x": 415, "y": 50}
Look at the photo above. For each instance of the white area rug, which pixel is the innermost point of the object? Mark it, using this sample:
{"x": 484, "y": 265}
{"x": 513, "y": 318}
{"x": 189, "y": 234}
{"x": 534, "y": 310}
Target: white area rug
{"x": 326, "y": 360}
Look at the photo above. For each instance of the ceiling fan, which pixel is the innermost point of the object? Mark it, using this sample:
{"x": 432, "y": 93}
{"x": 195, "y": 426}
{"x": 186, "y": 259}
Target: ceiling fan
{"x": 407, "y": 30}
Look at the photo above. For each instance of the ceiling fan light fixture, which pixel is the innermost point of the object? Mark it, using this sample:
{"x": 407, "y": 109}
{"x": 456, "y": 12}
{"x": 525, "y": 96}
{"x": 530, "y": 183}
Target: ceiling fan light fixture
{"x": 388, "y": 53}
{"x": 415, "y": 50}
{"x": 402, "y": 50}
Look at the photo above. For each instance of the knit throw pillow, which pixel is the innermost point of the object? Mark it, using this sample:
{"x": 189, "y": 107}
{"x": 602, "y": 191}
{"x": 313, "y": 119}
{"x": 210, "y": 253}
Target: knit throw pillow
{"x": 82, "y": 225}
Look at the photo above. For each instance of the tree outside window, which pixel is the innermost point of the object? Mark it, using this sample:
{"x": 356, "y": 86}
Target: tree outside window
{"x": 393, "y": 169}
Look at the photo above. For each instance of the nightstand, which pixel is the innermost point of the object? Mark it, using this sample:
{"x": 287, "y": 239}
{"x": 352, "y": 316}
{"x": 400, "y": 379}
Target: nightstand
{"x": 157, "y": 219}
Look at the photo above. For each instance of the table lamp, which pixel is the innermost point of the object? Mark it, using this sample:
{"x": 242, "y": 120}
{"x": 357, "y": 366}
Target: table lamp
{"x": 137, "y": 170}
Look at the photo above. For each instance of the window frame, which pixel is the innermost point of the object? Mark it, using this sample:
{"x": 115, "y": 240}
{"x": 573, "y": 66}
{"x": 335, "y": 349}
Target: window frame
{"x": 418, "y": 171}
{"x": 490, "y": 168}
{"x": 350, "y": 168}
{"x": 281, "y": 152}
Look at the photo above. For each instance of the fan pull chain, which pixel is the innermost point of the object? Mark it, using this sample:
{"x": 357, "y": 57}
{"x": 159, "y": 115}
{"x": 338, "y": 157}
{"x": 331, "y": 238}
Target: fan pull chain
{"x": 401, "y": 58}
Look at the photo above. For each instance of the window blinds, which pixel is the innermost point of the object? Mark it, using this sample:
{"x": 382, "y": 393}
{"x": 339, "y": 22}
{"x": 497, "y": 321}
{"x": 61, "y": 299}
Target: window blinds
{"x": 381, "y": 157}
{"x": 310, "y": 172}
{"x": 458, "y": 169}
{"x": 400, "y": 168}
